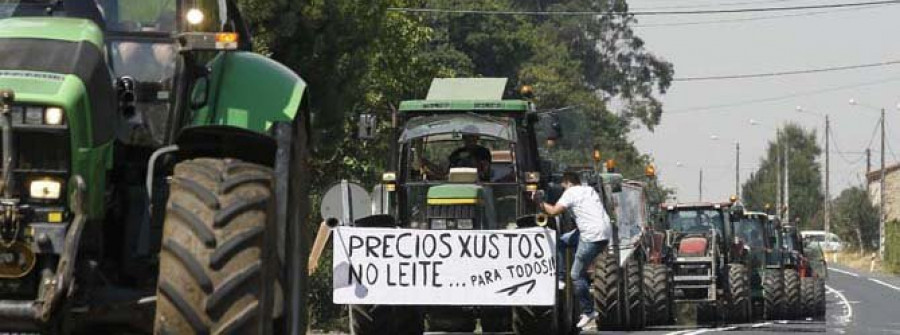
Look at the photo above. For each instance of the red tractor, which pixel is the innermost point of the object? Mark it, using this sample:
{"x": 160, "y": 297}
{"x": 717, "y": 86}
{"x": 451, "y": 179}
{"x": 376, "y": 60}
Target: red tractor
{"x": 709, "y": 264}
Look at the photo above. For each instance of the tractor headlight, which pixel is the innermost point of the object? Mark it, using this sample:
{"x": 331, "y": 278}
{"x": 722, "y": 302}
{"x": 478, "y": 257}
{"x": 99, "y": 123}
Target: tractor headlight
{"x": 53, "y": 116}
{"x": 46, "y": 189}
{"x": 194, "y": 16}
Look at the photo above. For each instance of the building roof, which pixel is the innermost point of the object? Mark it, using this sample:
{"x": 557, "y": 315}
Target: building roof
{"x": 876, "y": 174}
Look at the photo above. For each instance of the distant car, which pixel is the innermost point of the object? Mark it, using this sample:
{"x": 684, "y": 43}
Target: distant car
{"x": 829, "y": 242}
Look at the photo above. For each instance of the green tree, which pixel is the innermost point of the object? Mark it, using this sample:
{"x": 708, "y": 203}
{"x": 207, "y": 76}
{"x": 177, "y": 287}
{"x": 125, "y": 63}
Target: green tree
{"x": 855, "y": 219}
{"x": 805, "y": 175}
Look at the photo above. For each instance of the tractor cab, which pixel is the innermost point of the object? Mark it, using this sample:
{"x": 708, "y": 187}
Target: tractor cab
{"x": 144, "y": 40}
{"x": 761, "y": 234}
{"x": 699, "y": 219}
{"x": 466, "y": 159}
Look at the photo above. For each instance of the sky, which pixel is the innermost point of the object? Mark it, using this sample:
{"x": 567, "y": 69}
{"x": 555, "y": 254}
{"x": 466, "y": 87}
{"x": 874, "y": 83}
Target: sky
{"x": 696, "y": 112}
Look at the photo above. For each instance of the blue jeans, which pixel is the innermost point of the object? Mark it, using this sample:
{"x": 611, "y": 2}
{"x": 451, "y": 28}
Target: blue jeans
{"x": 585, "y": 253}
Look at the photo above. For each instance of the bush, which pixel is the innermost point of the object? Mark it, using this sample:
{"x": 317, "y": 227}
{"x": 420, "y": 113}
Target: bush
{"x": 892, "y": 246}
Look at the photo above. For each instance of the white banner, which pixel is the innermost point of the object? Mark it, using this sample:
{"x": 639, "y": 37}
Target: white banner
{"x": 387, "y": 266}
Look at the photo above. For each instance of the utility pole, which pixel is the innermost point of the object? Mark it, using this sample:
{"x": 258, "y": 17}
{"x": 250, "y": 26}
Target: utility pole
{"x": 778, "y": 173}
{"x": 868, "y": 165}
{"x": 787, "y": 183}
{"x": 737, "y": 169}
{"x": 827, "y": 175}
{"x": 881, "y": 195}
{"x": 700, "y": 198}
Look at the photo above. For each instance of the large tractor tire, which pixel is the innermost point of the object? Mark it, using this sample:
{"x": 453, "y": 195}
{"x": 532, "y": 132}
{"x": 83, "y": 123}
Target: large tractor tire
{"x": 657, "y": 294}
{"x": 808, "y": 296}
{"x": 215, "y": 271}
{"x": 606, "y": 282}
{"x": 533, "y": 320}
{"x": 740, "y": 307}
{"x": 792, "y": 307}
{"x": 370, "y": 319}
{"x": 773, "y": 294}
{"x": 820, "y": 299}
{"x": 634, "y": 294}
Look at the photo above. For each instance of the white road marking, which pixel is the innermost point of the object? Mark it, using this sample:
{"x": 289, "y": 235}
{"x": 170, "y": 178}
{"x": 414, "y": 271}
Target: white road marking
{"x": 844, "y": 272}
{"x": 885, "y": 284}
{"x": 712, "y": 330}
{"x": 680, "y": 332}
{"x": 848, "y": 311}
{"x": 758, "y": 325}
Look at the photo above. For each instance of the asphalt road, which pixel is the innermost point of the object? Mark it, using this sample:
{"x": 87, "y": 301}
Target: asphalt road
{"x": 857, "y": 303}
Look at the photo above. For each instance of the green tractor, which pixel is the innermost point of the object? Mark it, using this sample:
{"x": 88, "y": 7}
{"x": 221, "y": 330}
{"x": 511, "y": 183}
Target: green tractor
{"x": 152, "y": 171}
{"x": 768, "y": 276}
{"x": 467, "y": 160}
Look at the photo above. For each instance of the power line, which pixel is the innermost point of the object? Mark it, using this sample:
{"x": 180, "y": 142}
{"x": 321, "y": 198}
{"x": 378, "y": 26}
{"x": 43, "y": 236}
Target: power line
{"x": 757, "y": 18}
{"x": 709, "y": 108}
{"x": 720, "y": 4}
{"x": 634, "y": 13}
{"x": 789, "y": 73}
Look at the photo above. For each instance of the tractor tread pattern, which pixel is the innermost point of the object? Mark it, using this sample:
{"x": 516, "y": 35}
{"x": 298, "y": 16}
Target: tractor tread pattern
{"x": 207, "y": 196}
{"x": 606, "y": 283}
{"x": 820, "y": 298}
{"x": 808, "y": 296}
{"x": 634, "y": 293}
{"x": 773, "y": 294}
{"x": 223, "y": 254}
{"x": 657, "y": 293}
{"x": 739, "y": 304}
{"x": 240, "y": 320}
{"x": 193, "y": 267}
{"x": 214, "y": 268}
{"x": 792, "y": 308}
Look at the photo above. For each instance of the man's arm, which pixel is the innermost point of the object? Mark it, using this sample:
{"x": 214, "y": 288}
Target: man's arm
{"x": 556, "y": 209}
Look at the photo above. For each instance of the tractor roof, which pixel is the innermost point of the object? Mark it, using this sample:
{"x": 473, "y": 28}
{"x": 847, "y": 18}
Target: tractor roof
{"x": 697, "y": 205}
{"x": 52, "y": 28}
{"x": 465, "y": 95}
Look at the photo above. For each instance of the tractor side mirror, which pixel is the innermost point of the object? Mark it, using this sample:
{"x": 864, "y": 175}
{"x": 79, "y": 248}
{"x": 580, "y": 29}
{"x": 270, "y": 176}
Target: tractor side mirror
{"x": 367, "y": 126}
{"x": 125, "y": 89}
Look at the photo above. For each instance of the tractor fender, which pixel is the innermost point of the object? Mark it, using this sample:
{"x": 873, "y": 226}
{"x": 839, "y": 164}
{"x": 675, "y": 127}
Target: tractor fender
{"x": 226, "y": 142}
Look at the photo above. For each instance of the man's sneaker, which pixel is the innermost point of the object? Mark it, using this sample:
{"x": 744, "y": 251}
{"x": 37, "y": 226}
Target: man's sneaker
{"x": 562, "y": 285}
{"x": 586, "y": 319}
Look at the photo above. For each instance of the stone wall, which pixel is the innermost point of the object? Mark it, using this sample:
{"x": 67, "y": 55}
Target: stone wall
{"x": 891, "y": 197}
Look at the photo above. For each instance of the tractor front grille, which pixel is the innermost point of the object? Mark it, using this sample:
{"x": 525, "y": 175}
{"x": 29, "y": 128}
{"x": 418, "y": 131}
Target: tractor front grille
{"x": 453, "y": 216}
{"x": 452, "y": 211}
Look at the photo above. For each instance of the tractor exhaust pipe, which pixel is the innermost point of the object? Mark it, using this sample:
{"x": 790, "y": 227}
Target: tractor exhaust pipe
{"x": 6, "y": 99}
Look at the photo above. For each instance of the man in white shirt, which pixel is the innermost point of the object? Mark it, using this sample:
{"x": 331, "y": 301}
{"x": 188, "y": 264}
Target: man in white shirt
{"x": 590, "y": 238}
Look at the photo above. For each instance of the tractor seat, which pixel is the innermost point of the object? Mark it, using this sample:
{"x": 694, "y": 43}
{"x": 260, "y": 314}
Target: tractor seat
{"x": 463, "y": 175}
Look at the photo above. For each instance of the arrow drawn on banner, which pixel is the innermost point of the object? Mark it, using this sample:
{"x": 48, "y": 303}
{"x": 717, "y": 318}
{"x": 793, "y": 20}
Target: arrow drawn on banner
{"x": 515, "y": 288}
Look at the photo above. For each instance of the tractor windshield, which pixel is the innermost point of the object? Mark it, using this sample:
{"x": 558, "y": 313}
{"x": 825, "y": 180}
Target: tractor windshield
{"x": 751, "y": 230}
{"x": 791, "y": 243}
{"x": 462, "y": 149}
{"x": 157, "y": 16}
{"x": 10, "y": 8}
{"x": 696, "y": 220}
{"x": 631, "y": 213}
{"x": 140, "y": 45}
